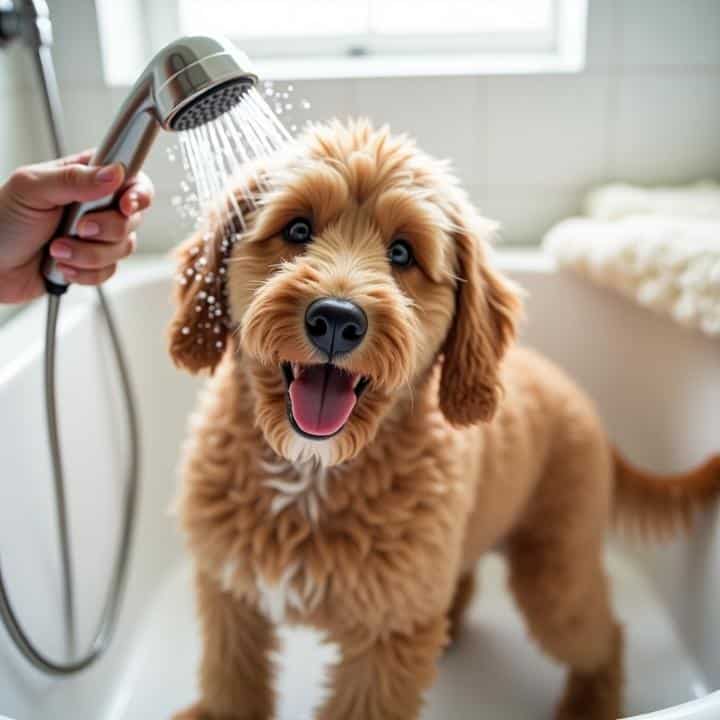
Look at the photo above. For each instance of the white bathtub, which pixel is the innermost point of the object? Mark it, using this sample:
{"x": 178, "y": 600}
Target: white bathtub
{"x": 658, "y": 389}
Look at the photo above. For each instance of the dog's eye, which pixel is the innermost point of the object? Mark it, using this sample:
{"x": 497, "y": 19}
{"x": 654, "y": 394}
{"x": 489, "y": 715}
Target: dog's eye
{"x": 298, "y": 231}
{"x": 400, "y": 253}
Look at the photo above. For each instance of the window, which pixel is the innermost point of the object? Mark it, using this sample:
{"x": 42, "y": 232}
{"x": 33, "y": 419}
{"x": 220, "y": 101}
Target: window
{"x": 351, "y": 38}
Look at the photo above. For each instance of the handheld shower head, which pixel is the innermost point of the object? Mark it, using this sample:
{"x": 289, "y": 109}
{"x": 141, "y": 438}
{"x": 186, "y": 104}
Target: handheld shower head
{"x": 188, "y": 83}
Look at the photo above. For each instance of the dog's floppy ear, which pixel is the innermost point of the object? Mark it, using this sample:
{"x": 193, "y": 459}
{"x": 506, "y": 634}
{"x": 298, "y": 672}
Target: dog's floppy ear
{"x": 199, "y": 329}
{"x": 487, "y": 308}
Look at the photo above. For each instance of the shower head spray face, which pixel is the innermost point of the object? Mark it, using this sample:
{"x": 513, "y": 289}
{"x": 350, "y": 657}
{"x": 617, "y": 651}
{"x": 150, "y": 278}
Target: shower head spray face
{"x": 211, "y": 105}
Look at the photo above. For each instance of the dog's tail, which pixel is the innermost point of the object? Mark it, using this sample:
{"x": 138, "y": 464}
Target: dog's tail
{"x": 658, "y": 506}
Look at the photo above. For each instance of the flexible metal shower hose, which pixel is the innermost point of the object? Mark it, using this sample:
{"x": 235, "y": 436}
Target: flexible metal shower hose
{"x": 108, "y": 619}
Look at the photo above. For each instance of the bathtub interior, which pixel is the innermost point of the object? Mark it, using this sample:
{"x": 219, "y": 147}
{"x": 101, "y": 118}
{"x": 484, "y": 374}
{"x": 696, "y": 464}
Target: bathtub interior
{"x": 655, "y": 385}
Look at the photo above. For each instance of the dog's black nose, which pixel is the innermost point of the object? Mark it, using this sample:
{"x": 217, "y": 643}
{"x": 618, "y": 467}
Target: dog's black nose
{"x": 335, "y": 326}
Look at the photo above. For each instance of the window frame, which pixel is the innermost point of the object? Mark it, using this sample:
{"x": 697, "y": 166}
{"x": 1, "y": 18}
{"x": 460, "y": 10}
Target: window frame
{"x": 363, "y": 56}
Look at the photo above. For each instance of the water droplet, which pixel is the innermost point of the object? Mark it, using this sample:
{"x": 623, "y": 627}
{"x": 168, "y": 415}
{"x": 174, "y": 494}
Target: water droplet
{"x": 189, "y": 272}
{"x": 290, "y": 88}
{"x": 288, "y": 106}
{"x": 211, "y": 299}
{"x": 185, "y": 330}
{"x": 218, "y": 344}
{"x": 202, "y": 294}
{"x": 305, "y": 104}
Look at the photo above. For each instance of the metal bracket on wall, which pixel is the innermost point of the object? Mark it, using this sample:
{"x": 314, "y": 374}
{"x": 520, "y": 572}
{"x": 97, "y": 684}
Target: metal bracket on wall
{"x": 26, "y": 19}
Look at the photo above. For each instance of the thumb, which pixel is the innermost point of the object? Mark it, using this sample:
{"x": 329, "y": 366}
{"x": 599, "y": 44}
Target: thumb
{"x": 44, "y": 187}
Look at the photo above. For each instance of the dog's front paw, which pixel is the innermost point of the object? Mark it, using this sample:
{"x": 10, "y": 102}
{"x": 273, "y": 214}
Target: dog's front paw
{"x": 593, "y": 697}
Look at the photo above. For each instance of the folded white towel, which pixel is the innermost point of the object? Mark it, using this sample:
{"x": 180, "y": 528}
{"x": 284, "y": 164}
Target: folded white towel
{"x": 667, "y": 263}
{"x": 612, "y": 202}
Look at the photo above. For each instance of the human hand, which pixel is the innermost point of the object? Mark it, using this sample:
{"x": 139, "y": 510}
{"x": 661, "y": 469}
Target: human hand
{"x": 31, "y": 206}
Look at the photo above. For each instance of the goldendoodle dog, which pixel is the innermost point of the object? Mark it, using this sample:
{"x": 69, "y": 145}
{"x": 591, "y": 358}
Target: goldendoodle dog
{"x": 370, "y": 431}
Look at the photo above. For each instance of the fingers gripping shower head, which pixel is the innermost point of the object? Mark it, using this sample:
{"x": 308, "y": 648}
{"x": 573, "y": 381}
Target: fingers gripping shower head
{"x": 188, "y": 83}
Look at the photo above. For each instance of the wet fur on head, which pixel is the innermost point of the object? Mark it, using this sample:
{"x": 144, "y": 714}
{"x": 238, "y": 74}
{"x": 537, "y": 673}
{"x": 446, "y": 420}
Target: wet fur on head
{"x": 460, "y": 444}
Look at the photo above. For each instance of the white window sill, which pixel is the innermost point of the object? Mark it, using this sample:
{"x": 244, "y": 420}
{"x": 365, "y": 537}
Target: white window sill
{"x": 387, "y": 66}
{"x": 408, "y": 65}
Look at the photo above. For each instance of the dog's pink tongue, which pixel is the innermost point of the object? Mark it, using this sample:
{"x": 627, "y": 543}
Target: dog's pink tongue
{"x": 322, "y": 398}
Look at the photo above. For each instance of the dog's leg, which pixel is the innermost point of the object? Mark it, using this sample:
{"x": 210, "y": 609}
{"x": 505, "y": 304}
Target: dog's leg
{"x": 464, "y": 591}
{"x": 561, "y": 588}
{"x": 382, "y": 675}
{"x": 236, "y": 671}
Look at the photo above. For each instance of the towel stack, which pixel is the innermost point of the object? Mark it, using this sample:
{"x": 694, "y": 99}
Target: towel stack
{"x": 660, "y": 246}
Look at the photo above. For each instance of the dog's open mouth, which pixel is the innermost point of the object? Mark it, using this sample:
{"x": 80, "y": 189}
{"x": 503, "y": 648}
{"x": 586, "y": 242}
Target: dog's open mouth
{"x": 321, "y": 397}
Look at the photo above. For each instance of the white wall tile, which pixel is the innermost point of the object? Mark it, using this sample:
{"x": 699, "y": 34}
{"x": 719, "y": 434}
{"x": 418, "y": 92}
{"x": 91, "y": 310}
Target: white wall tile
{"x": 162, "y": 227}
{"x": 666, "y": 127}
{"x": 17, "y": 70}
{"x": 76, "y": 47}
{"x": 601, "y": 34}
{"x": 526, "y": 212}
{"x": 328, "y": 99}
{"x": 23, "y": 135}
{"x": 547, "y": 128}
{"x": 88, "y": 114}
{"x": 445, "y": 115}
{"x": 669, "y": 32}
{"x": 478, "y": 195}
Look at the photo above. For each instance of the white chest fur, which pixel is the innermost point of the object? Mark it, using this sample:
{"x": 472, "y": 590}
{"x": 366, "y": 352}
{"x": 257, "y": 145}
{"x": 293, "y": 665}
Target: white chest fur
{"x": 305, "y": 485}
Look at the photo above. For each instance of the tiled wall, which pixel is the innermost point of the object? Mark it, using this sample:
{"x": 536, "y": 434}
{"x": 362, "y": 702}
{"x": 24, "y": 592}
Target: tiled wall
{"x": 646, "y": 109}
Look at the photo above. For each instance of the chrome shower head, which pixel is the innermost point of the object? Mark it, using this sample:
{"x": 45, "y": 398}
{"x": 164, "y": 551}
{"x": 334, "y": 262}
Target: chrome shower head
{"x": 188, "y": 83}
{"x": 197, "y": 79}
